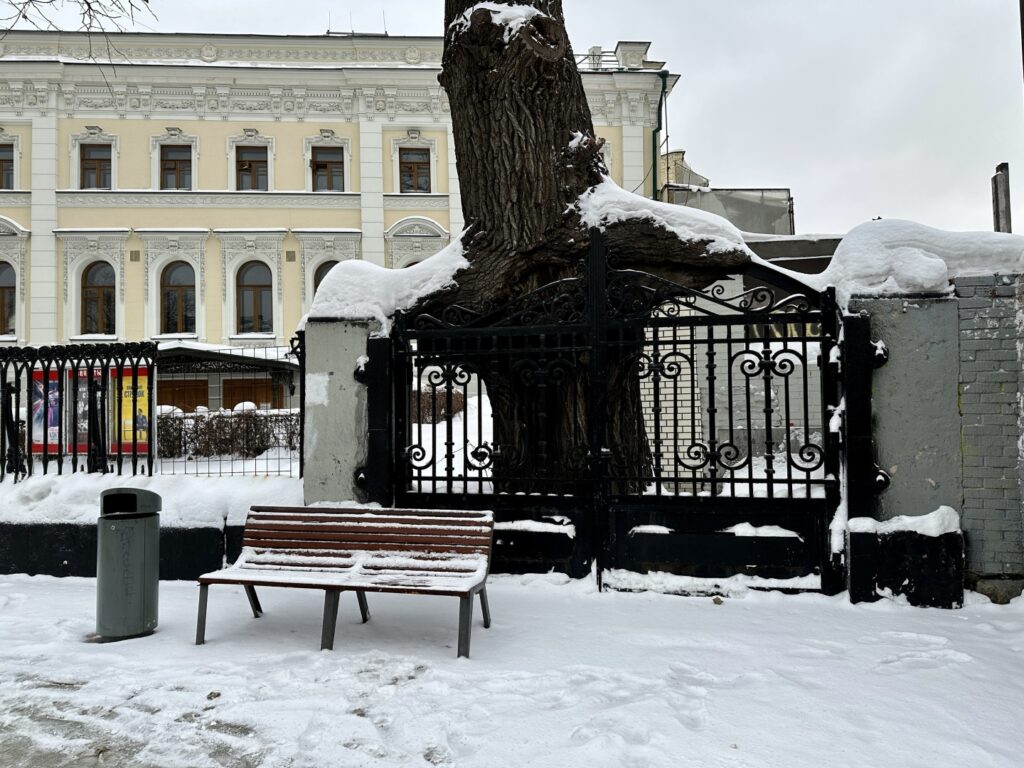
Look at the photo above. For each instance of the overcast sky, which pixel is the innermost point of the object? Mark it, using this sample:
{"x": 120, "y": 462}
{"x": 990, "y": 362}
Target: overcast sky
{"x": 864, "y": 108}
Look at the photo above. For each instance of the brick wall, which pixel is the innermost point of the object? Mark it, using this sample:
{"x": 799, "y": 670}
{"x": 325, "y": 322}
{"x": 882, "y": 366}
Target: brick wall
{"x": 991, "y": 385}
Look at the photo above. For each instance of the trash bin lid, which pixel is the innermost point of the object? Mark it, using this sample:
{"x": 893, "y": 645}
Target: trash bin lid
{"x": 134, "y": 501}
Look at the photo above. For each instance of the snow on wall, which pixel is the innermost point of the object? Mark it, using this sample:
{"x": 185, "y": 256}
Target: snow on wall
{"x": 890, "y": 257}
{"x": 608, "y": 203}
{"x": 942, "y": 521}
{"x": 359, "y": 290}
{"x": 732, "y": 586}
{"x": 762, "y": 531}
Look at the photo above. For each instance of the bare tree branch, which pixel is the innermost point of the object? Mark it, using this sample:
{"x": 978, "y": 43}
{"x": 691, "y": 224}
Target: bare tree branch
{"x": 93, "y": 15}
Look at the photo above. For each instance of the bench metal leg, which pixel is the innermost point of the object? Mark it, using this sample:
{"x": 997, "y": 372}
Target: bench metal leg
{"x": 364, "y": 609}
{"x": 485, "y": 607}
{"x": 331, "y": 597}
{"x": 254, "y": 601}
{"x": 465, "y": 624}
{"x": 201, "y": 623}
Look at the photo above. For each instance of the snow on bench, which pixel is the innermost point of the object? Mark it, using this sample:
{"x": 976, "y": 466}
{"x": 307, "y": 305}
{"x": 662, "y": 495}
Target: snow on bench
{"x": 339, "y": 549}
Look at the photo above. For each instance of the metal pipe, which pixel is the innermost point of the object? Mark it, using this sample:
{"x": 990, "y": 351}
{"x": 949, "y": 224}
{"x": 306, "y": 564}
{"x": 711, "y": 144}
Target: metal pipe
{"x": 656, "y": 135}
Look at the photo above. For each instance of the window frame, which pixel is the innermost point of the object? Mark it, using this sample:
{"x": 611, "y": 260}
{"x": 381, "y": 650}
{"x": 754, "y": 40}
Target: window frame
{"x": 327, "y": 139}
{"x": 9, "y": 293}
{"x": 249, "y": 139}
{"x": 255, "y": 166}
{"x": 257, "y": 289}
{"x": 181, "y": 293}
{"x": 175, "y": 166}
{"x": 96, "y": 165}
{"x": 418, "y": 167}
{"x": 419, "y": 143}
{"x": 9, "y": 165}
{"x": 93, "y": 135}
{"x": 329, "y": 166}
{"x": 103, "y": 300}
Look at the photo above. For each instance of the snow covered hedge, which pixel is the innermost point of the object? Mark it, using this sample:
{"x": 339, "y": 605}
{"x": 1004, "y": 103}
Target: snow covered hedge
{"x": 245, "y": 435}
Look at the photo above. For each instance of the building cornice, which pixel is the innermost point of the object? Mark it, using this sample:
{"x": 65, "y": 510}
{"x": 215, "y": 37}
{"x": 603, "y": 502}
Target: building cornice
{"x": 144, "y": 198}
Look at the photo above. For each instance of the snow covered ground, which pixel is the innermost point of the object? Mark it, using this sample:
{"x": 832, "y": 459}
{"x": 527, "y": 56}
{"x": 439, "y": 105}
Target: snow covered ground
{"x": 565, "y": 677}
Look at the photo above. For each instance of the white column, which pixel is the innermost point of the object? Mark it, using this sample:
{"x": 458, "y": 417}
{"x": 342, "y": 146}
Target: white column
{"x": 633, "y": 167}
{"x": 371, "y": 180}
{"x": 42, "y": 282}
{"x": 454, "y": 190}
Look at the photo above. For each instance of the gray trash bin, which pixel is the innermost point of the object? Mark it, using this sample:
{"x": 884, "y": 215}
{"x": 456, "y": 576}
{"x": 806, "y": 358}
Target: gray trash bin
{"x": 127, "y": 563}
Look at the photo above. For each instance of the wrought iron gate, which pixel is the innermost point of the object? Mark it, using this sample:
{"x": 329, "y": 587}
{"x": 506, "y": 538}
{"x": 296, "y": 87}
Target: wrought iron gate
{"x": 645, "y": 425}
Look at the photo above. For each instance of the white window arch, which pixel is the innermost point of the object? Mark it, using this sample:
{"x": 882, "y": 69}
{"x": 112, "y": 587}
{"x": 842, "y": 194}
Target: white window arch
{"x": 83, "y": 248}
{"x": 162, "y": 248}
{"x": 13, "y": 238}
{"x": 239, "y": 247}
{"x": 317, "y": 246}
{"x": 412, "y": 239}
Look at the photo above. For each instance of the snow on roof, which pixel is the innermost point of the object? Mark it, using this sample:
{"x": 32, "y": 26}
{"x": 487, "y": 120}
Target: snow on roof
{"x": 942, "y": 521}
{"x": 359, "y": 290}
{"x": 259, "y": 353}
{"x": 608, "y": 203}
{"x": 511, "y": 16}
{"x": 891, "y": 257}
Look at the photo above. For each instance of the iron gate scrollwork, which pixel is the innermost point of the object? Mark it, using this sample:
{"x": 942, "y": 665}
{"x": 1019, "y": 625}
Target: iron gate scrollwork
{"x": 653, "y": 411}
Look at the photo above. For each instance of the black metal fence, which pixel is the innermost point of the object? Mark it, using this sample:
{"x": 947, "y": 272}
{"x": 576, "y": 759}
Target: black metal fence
{"x": 230, "y": 410}
{"x": 637, "y": 423}
{"x": 140, "y": 408}
{"x": 718, "y": 395}
{"x": 76, "y": 408}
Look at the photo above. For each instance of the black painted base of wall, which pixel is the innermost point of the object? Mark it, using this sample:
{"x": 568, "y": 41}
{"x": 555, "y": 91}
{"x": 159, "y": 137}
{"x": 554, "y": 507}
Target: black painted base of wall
{"x": 51, "y": 549}
{"x": 927, "y": 570}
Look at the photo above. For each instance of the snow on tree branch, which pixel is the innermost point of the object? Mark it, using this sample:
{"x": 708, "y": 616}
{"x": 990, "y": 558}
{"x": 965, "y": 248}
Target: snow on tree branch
{"x": 608, "y": 203}
{"x": 512, "y": 17}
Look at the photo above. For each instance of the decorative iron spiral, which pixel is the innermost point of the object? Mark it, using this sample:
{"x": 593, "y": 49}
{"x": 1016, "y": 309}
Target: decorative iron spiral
{"x": 481, "y": 457}
{"x": 811, "y": 457}
{"x": 698, "y": 453}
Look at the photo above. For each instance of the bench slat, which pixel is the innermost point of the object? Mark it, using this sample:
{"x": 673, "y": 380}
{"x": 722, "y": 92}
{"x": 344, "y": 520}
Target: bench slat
{"x": 423, "y": 549}
{"x": 334, "y": 511}
{"x": 257, "y": 518}
{"x": 328, "y": 529}
{"x": 270, "y": 538}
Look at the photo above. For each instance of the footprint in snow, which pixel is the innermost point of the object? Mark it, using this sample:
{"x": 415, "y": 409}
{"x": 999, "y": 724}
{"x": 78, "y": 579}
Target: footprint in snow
{"x": 921, "y": 659}
{"x": 905, "y": 639}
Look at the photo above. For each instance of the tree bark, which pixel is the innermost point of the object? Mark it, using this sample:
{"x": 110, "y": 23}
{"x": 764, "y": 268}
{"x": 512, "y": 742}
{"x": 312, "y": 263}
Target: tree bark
{"x": 526, "y": 151}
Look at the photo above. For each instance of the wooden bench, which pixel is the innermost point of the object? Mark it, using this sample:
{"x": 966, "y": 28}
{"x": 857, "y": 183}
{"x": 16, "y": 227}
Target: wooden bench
{"x": 352, "y": 549}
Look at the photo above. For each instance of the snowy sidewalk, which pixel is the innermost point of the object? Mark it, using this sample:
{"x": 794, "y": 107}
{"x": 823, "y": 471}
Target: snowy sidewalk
{"x": 566, "y": 677}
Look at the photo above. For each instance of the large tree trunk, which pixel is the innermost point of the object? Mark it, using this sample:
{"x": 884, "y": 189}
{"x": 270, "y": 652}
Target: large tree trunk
{"x": 526, "y": 152}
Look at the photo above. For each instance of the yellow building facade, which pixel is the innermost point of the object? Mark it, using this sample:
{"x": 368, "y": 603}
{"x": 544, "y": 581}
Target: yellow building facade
{"x": 199, "y": 186}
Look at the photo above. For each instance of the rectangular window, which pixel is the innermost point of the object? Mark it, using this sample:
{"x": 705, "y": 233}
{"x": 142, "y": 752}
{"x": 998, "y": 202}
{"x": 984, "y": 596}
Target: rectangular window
{"x": 251, "y": 168}
{"x": 414, "y": 170}
{"x": 328, "y": 166}
{"x": 175, "y": 166}
{"x": 95, "y": 159}
{"x": 6, "y": 166}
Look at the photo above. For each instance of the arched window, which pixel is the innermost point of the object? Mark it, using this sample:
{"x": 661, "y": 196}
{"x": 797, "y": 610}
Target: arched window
{"x": 254, "y": 306}
{"x": 98, "y": 299}
{"x": 178, "y": 298}
{"x": 7, "y": 295}
{"x": 321, "y": 273}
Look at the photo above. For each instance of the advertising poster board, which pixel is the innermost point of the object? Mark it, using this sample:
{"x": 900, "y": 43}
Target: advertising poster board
{"x": 134, "y": 428}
